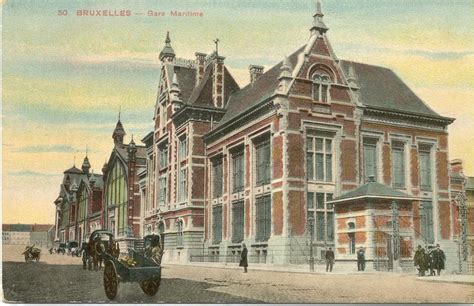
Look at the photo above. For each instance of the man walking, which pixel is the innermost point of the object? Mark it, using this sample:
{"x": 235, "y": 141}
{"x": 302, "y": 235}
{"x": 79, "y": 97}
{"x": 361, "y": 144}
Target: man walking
{"x": 329, "y": 260}
{"x": 421, "y": 261}
{"x": 361, "y": 259}
{"x": 438, "y": 258}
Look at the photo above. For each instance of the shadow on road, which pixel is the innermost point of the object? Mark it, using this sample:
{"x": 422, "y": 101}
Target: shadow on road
{"x": 44, "y": 283}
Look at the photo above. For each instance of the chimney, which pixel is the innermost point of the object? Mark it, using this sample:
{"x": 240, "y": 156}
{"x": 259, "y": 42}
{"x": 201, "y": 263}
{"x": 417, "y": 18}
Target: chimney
{"x": 200, "y": 61}
{"x": 255, "y": 72}
{"x": 218, "y": 80}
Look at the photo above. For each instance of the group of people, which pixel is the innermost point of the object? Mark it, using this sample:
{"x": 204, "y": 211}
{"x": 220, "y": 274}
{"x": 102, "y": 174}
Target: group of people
{"x": 431, "y": 260}
{"x": 360, "y": 259}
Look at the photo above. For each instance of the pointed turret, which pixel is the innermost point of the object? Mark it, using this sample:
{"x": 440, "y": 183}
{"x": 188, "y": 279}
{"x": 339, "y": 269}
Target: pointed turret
{"x": 318, "y": 24}
{"x": 175, "y": 92}
{"x": 119, "y": 133}
{"x": 86, "y": 165}
{"x": 167, "y": 54}
{"x": 132, "y": 150}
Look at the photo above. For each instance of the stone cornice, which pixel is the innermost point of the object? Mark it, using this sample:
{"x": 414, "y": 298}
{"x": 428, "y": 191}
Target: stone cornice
{"x": 198, "y": 113}
{"x": 403, "y": 118}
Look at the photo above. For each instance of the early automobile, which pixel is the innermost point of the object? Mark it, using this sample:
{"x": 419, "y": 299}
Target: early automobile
{"x": 31, "y": 253}
{"x": 142, "y": 266}
{"x": 72, "y": 248}
{"x": 62, "y": 248}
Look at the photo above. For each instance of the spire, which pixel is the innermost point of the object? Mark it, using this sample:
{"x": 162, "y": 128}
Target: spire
{"x": 119, "y": 133}
{"x": 318, "y": 23}
{"x": 132, "y": 150}
{"x": 167, "y": 54}
{"x": 86, "y": 165}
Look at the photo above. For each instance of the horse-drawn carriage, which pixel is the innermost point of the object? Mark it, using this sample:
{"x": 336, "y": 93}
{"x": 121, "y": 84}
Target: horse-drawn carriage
{"x": 142, "y": 266}
{"x": 100, "y": 242}
{"x": 31, "y": 253}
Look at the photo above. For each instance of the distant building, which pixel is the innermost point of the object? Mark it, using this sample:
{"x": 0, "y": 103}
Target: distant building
{"x": 26, "y": 234}
{"x": 79, "y": 204}
{"x": 470, "y": 220}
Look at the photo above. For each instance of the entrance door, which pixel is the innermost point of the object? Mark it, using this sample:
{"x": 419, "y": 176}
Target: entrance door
{"x": 389, "y": 253}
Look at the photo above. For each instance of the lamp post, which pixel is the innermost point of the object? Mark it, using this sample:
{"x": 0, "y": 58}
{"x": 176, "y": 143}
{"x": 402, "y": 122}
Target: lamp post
{"x": 311, "y": 235}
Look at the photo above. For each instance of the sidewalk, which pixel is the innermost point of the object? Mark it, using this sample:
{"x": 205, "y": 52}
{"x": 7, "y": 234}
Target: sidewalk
{"x": 450, "y": 278}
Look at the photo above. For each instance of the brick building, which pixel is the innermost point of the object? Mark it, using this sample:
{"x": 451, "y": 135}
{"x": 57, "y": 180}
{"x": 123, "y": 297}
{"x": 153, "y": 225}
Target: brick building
{"x": 78, "y": 206}
{"x": 26, "y": 234}
{"x": 227, "y": 165}
{"x": 122, "y": 201}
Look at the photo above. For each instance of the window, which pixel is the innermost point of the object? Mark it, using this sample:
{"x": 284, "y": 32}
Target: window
{"x": 370, "y": 159}
{"x": 425, "y": 167}
{"x": 179, "y": 232}
{"x": 83, "y": 203}
{"x": 217, "y": 224}
{"x": 398, "y": 165}
{"x": 323, "y": 214}
{"x": 321, "y": 87}
{"x": 263, "y": 218}
{"x": 426, "y": 214}
{"x": 263, "y": 163}
{"x": 238, "y": 221}
{"x": 117, "y": 194}
{"x": 217, "y": 178}
{"x": 319, "y": 158}
{"x": 163, "y": 114}
{"x": 352, "y": 243}
{"x": 183, "y": 148}
{"x": 238, "y": 171}
{"x": 163, "y": 195}
{"x": 163, "y": 155}
{"x": 182, "y": 188}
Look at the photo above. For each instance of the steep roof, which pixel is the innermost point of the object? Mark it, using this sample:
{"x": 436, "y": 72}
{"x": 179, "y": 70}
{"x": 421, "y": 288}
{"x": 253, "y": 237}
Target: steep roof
{"x": 73, "y": 170}
{"x": 372, "y": 190}
{"x": 186, "y": 77}
{"x": 262, "y": 88}
{"x": 381, "y": 88}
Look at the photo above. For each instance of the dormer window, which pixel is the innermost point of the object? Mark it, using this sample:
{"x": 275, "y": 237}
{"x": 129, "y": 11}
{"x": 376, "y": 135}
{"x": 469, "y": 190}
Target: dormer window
{"x": 321, "y": 86}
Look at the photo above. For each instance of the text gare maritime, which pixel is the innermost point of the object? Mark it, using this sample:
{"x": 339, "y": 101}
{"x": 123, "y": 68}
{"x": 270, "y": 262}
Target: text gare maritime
{"x": 127, "y": 13}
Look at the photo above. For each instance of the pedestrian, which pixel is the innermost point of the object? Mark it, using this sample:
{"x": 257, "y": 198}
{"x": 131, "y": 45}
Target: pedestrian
{"x": 431, "y": 260}
{"x": 361, "y": 259}
{"x": 439, "y": 259}
{"x": 329, "y": 260}
{"x": 420, "y": 261}
{"x": 243, "y": 258}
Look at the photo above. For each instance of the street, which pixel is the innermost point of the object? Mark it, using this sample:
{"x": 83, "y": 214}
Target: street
{"x": 61, "y": 279}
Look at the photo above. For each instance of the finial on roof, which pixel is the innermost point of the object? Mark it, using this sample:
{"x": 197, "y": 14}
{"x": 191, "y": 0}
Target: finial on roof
{"x": 167, "y": 54}
{"x": 318, "y": 24}
{"x": 216, "y": 41}
{"x": 74, "y": 161}
{"x": 120, "y": 111}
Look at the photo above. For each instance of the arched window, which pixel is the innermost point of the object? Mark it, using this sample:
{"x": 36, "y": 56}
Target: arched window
{"x": 179, "y": 232}
{"x": 321, "y": 85}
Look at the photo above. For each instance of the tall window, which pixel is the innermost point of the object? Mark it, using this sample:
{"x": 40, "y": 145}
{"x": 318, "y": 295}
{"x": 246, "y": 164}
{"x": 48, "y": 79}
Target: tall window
{"x": 426, "y": 213}
{"x": 83, "y": 201}
{"x": 183, "y": 186}
{"x": 263, "y": 218}
{"x": 398, "y": 164}
{"x": 238, "y": 171}
{"x": 217, "y": 178}
{"x": 352, "y": 243}
{"x": 321, "y": 87}
{"x": 238, "y": 221}
{"x": 65, "y": 214}
{"x": 323, "y": 214}
{"x": 163, "y": 191}
{"x": 217, "y": 224}
{"x": 163, "y": 155}
{"x": 179, "y": 232}
{"x": 117, "y": 194}
{"x": 319, "y": 159}
{"x": 263, "y": 163}
{"x": 183, "y": 148}
{"x": 163, "y": 114}
{"x": 370, "y": 159}
{"x": 425, "y": 167}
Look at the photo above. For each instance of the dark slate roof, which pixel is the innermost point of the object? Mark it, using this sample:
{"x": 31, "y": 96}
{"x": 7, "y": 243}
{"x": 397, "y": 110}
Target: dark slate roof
{"x": 73, "y": 170}
{"x": 262, "y": 88}
{"x": 372, "y": 190}
{"x": 17, "y": 227}
{"x": 381, "y": 88}
{"x": 186, "y": 79}
{"x": 98, "y": 178}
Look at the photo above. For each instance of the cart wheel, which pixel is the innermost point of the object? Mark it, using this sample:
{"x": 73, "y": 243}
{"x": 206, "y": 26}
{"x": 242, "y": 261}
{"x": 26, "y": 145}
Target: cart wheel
{"x": 110, "y": 280}
{"x": 150, "y": 286}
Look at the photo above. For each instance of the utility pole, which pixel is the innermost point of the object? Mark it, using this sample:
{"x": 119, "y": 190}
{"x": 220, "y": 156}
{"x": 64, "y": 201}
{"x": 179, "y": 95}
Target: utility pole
{"x": 311, "y": 235}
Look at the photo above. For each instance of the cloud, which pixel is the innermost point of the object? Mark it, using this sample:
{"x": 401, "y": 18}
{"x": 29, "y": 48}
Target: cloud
{"x": 30, "y": 173}
{"x": 49, "y": 149}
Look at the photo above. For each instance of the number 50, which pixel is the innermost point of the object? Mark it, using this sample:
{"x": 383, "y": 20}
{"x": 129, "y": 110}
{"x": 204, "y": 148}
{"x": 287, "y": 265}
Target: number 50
{"x": 62, "y": 12}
